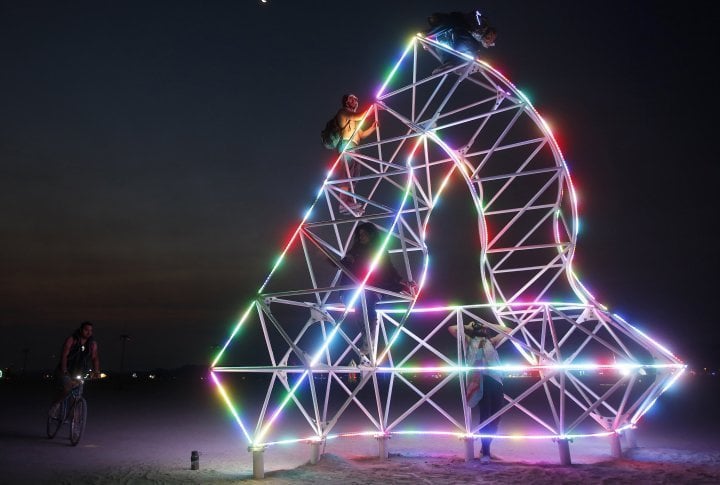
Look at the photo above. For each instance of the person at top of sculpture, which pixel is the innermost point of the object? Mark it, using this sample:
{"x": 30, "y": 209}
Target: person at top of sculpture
{"x": 464, "y": 32}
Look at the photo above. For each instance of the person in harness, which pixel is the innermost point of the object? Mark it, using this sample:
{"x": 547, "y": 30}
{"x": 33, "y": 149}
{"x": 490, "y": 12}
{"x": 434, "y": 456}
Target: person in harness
{"x": 464, "y": 32}
{"x": 79, "y": 356}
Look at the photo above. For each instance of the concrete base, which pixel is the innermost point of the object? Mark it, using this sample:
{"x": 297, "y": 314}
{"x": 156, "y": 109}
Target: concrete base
{"x": 469, "y": 449}
{"x": 315, "y": 452}
{"x": 630, "y": 438}
{"x": 615, "y": 448}
{"x": 258, "y": 463}
{"x": 382, "y": 447}
{"x": 564, "y": 450}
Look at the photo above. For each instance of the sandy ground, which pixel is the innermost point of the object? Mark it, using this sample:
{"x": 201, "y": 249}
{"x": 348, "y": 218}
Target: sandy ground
{"x": 143, "y": 433}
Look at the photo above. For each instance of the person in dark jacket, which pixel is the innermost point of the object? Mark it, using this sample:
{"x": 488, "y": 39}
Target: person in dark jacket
{"x": 357, "y": 260}
{"x": 464, "y": 32}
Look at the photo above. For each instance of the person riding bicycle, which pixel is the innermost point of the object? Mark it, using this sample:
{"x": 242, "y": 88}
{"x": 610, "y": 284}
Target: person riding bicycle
{"x": 79, "y": 357}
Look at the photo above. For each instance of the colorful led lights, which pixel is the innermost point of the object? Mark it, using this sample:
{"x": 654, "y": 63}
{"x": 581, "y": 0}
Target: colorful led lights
{"x": 517, "y": 309}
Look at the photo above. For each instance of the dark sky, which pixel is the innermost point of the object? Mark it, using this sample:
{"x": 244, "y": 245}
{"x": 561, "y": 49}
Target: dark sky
{"x": 154, "y": 154}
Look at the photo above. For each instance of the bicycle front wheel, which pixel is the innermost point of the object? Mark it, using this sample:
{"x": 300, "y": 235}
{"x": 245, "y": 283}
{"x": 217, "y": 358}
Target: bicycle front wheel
{"x": 77, "y": 420}
{"x": 55, "y": 419}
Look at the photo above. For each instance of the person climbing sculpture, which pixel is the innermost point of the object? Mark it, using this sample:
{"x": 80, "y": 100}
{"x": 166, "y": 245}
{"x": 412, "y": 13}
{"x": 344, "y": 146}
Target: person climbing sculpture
{"x": 463, "y": 32}
{"x": 357, "y": 260}
{"x": 351, "y": 133}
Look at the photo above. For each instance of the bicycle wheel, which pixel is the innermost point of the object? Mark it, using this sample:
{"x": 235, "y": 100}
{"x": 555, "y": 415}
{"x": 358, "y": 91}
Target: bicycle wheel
{"x": 77, "y": 420}
{"x": 55, "y": 420}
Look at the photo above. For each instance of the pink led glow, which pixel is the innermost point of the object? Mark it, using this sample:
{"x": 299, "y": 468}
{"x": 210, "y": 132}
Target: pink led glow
{"x": 230, "y": 405}
{"x": 450, "y": 434}
{"x": 447, "y": 369}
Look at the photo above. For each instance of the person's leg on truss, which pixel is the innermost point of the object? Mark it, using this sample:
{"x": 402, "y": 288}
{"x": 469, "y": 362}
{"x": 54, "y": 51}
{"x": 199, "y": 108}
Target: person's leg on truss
{"x": 352, "y": 169}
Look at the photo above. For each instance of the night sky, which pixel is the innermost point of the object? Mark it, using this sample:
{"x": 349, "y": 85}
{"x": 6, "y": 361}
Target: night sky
{"x": 154, "y": 155}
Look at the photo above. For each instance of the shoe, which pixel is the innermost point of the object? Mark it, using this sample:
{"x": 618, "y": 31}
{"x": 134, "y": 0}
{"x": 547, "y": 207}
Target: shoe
{"x": 365, "y": 366}
{"x": 353, "y": 208}
{"x": 443, "y": 67}
{"x": 320, "y": 315}
{"x": 485, "y": 459}
{"x": 352, "y": 376}
{"x": 410, "y": 290}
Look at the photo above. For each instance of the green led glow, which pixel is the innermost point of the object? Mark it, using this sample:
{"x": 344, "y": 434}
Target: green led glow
{"x": 232, "y": 335}
{"x": 394, "y": 69}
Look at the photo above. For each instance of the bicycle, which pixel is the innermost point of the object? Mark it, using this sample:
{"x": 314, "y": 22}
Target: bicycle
{"x": 72, "y": 409}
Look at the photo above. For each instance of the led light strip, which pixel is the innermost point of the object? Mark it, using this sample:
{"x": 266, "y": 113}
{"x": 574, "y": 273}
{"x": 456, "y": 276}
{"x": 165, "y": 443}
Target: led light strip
{"x": 451, "y": 434}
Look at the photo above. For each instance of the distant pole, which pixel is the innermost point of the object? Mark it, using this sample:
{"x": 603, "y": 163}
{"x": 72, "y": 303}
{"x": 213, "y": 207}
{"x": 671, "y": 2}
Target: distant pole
{"x": 124, "y": 337}
{"x": 25, "y": 352}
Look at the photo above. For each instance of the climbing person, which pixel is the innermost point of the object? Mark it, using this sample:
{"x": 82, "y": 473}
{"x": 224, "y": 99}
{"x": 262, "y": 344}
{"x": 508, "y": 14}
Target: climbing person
{"x": 349, "y": 123}
{"x": 357, "y": 260}
{"x": 463, "y": 32}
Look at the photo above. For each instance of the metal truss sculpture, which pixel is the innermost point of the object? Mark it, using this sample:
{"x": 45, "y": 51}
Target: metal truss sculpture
{"x": 587, "y": 372}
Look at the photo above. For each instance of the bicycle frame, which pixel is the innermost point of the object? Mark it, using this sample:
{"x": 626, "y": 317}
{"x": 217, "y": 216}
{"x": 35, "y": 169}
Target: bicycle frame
{"x": 73, "y": 410}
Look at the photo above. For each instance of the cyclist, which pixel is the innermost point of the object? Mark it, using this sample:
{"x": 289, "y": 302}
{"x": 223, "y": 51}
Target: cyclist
{"x": 78, "y": 357}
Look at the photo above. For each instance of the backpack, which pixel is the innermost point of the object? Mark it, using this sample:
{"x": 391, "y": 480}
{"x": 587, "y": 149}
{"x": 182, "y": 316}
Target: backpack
{"x": 330, "y": 136}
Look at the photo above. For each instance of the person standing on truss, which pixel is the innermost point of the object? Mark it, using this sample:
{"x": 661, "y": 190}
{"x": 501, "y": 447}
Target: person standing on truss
{"x": 357, "y": 260}
{"x": 484, "y": 389}
{"x": 464, "y": 32}
{"x": 349, "y": 120}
